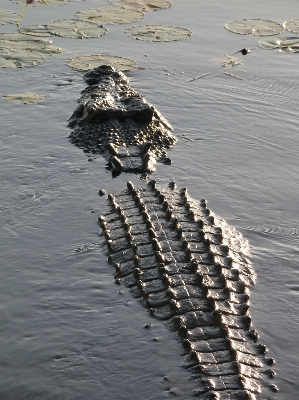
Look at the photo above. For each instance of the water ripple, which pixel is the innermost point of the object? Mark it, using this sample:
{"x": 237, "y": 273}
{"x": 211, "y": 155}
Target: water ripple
{"x": 289, "y": 233}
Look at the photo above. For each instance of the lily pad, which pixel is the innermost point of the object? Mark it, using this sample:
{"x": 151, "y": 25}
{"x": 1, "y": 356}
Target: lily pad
{"x": 19, "y": 58}
{"x": 141, "y": 5}
{"x": 7, "y": 16}
{"x": 158, "y": 33}
{"x": 44, "y": 49}
{"x": 282, "y": 43}
{"x": 45, "y": 2}
{"x": 292, "y": 25}
{"x": 25, "y": 98}
{"x": 18, "y": 50}
{"x": 35, "y": 30}
{"x": 258, "y": 27}
{"x": 19, "y": 41}
{"x": 112, "y": 15}
{"x": 85, "y": 63}
{"x": 22, "y": 37}
{"x": 76, "y": 29}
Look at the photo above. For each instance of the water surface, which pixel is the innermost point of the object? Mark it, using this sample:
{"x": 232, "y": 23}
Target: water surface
{"x": 67, "y": 331}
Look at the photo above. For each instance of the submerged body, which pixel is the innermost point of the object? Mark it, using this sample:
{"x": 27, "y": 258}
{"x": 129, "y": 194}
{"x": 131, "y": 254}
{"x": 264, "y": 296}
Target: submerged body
{"x": 114, "y": 120}
{"x": 190, "y": 269}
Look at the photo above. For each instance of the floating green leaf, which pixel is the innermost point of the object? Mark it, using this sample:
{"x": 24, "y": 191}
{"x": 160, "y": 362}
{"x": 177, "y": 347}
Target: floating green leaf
{"x": 45, "y": 2}
{"x": 44, "y": 49}
{"x": 7, "y": 16}
{"x": 85, "y": 63}
{"x": 112, "y": 15}
{"x": 21, "y": 41}
{"x": 19, "y": 58}
{"x": 142, "y": 5}
{"x": 292, "y": 25}
{"x": 158, "y": 33}
{"x": 258, "y": 27}
{"x": 76, "y": 29}
{"x": 35, "y": 30}
{"x": 18, "y": 50}
{"x": 282, "y": 43}
{"x": 22, "y": 37}
{"x": 25, "y": 98}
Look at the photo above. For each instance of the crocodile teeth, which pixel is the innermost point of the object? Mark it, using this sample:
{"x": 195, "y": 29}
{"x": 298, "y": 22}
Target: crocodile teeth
{"x": 190, "y": 269}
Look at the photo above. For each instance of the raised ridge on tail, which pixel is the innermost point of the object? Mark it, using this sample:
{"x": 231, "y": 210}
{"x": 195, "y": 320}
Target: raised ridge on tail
{"x": 190, "y": 269}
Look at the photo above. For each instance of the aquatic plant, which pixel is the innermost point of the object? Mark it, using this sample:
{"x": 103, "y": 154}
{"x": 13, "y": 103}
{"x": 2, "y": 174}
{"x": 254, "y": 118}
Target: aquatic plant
{"x": 292, "y": 25}
{"x": 7, "y": 16}
{"x": 85, "y": 63}
{"x": 142, "y": 5}
{"x": 35, "y": 30}
{"x": 18, "y": 50}
{"x": 25, "y": 98}
{"x": 158, "y": 33}
{"x": 22, "y": 12}
{"x": 76, "y": 29}
{"x": 259, "y": 27}
{"x": 282, "y": 43}
{"x": 112, "y": 15}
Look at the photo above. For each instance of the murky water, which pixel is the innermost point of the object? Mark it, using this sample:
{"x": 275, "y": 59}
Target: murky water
{"x": 67, "y": 331}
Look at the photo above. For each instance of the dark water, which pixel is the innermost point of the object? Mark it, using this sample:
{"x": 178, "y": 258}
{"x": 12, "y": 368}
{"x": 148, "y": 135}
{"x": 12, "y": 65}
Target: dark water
{"x": 67, "y": 331}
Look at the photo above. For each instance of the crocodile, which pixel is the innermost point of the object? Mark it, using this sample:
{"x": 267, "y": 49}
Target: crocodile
{"x": 191, "y": 270}
{"x": 114, "y": 120}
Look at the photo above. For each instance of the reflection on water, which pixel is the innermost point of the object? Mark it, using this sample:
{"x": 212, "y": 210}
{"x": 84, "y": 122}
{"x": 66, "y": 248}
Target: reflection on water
{"x": 67, "y": 331}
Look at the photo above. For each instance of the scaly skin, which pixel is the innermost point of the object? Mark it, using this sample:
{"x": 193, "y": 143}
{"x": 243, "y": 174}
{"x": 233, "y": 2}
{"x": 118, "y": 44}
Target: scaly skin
{"x": 190, "y": 269}
{"x": 114, "y": 120}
